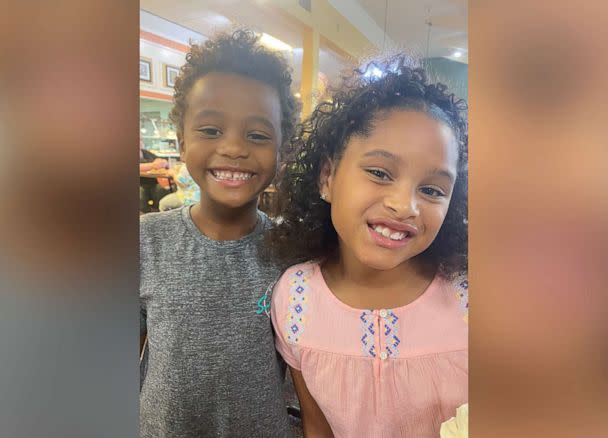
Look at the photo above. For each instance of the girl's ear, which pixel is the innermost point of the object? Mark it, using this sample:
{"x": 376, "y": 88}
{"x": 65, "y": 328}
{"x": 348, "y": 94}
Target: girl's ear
{"x": 326, "y": 178}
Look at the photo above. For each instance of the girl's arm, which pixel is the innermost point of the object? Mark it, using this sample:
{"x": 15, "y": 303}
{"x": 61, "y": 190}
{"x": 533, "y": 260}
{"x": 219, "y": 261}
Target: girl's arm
{"x": 313, "y": 420}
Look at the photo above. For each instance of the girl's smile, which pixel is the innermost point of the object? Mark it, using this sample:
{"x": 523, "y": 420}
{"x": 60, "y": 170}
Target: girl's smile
{"x": 390, "y": 191}
{"x": 391, "y": 234}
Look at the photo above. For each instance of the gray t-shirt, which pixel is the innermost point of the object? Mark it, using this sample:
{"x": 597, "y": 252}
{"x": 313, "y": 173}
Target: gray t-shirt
{"x": 212, "y": 369}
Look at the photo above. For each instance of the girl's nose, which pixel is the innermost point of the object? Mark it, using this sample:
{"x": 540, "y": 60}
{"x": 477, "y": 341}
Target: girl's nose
{"x": 403, "y": 204}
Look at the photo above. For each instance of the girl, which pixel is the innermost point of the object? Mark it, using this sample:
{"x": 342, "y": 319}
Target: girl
{"x": 373, "y": 323}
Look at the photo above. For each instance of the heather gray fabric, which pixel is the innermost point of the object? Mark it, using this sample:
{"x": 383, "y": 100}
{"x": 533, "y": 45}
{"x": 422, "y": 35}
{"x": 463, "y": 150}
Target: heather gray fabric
{"x": 212, "y": 369}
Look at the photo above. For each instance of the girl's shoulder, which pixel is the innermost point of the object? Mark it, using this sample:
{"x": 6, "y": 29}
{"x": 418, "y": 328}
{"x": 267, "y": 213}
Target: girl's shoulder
{"x": 459, "y": 285}
{"x": 302, "y": 269}
{"x": 300, "y": 273}
{"x": 295, "y": 279}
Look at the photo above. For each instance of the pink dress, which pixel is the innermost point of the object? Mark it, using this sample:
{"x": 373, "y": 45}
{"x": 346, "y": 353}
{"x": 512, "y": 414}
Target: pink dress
{"x": 375, "y": 373}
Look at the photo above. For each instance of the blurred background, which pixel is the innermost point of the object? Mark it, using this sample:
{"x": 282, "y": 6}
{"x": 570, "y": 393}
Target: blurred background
{"x": 71, "y": 114}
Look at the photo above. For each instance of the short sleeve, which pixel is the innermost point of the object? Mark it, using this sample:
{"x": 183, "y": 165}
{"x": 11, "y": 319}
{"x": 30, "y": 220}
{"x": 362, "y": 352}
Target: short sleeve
{"x": 461, "y": 285}
{"x": 143, "y": 228}
{"x": 143, "y": 329}
{"x": 283, "y": 320}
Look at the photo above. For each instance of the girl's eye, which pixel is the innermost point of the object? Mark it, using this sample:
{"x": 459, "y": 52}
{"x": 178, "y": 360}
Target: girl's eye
{"x": 431, "y": 191}
{"x": 258, "y": 136}
{"x": 210, "y": 132}
{"x": 380, "y": 174}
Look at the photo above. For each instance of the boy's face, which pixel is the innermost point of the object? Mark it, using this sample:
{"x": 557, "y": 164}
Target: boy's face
{"x": 232, "y": 131}
{"x": 391, "y": 190}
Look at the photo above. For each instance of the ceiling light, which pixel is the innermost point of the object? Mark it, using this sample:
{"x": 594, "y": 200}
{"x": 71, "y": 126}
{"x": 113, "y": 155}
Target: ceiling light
{"x": 273, "y": 43}
{"x": 457, "y": 54}
{"x": 219, "y": 20}
{"x": 375, "y": 72}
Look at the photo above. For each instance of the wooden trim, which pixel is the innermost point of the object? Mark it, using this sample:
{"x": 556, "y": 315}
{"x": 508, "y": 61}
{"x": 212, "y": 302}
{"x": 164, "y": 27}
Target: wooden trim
{"x": 155, "y": 95}
{"x": 149, "y": 36}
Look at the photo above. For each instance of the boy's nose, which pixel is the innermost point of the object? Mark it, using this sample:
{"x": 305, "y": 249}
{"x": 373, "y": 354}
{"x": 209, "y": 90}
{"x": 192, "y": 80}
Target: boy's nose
{"x": 233, "y": 147}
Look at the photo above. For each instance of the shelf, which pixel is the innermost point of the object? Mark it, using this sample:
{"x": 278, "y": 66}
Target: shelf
{"x": 152, "y": 137}
{"x": 166, "y": 154}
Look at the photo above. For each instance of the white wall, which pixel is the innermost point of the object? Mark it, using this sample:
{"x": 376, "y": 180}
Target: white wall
{"x": 159, "y": 55}
{"x": 167, "y": 29}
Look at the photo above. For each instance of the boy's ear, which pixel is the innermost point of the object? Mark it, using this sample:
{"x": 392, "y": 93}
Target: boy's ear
{"x": 326, "y": 180}
{"x": 180, "y": 147}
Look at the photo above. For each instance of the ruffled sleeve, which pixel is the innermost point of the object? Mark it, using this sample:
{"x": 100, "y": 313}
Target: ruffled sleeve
{"x": 461, "y": 285}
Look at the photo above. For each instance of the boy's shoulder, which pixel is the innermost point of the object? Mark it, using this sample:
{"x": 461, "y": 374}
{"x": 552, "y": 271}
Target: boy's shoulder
{"x": 266, "y": 221}
{"x": 160, "y": 217}
{"x": 153, "y": 225}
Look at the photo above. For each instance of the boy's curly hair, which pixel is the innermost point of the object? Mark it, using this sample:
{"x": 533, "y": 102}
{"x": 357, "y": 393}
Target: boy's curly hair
{"x": 240, "y": 53}
{"x": 305, "y": 231}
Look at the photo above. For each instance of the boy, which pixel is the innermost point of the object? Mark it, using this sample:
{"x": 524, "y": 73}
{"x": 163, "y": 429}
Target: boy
{"x": 211, "y": 365}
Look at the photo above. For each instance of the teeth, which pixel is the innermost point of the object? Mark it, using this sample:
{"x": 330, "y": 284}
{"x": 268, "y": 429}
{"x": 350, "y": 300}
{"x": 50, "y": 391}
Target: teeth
{"x": 227, "y": 175}
{"x": 387, "y": 232}
{"x": 397, "y": 236}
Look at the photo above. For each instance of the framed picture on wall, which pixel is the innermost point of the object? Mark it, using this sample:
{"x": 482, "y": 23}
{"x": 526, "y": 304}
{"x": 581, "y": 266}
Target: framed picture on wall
{"x": 170, "y": 72}
{"x": 145, "y": 69}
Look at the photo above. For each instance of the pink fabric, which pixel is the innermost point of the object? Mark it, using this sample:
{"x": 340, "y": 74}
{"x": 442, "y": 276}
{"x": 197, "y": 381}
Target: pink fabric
{"x": 375, "y": 373}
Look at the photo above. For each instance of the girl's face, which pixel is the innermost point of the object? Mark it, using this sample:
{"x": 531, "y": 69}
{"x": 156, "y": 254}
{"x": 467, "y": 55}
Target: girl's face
{"x": 390, "y": 192}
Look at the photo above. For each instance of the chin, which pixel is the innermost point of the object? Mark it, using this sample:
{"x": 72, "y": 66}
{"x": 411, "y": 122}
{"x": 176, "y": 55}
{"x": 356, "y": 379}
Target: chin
{"x": 232, "y": 202}
{"x": 380, "y": 262}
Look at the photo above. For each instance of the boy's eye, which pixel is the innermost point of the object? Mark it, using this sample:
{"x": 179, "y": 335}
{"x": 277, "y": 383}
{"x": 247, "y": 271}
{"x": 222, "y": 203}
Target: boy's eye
{"x": 210, "y": 132}
{"x": 258, "y": 136}
{"x": 432, "y": 191}
{"x": 380, "y": 174}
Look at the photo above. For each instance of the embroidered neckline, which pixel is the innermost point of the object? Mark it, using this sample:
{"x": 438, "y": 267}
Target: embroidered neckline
{"x": 389, "y": 329}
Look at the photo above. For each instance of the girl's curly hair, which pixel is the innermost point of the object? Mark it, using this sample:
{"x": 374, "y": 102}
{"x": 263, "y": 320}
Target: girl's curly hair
{"x": 240, "y": 53}
{"x": 305, "y": 230}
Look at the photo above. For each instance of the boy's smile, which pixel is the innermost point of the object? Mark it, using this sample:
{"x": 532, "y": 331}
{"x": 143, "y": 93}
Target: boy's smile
{"x": 230, "y": 176}
{"x": 390, "y": 191}
{"x": 232, "y": 131}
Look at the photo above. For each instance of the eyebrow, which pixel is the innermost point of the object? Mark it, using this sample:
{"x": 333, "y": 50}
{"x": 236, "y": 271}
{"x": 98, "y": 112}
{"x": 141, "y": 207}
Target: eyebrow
{"x": 386, "y": 154}
{"x": 263, "y": 120}
{"x": 206, "y": 113}
{"x": 382, "y": 153}
{"x": 445, "y": 173}
{"x": 213, "y": 113}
